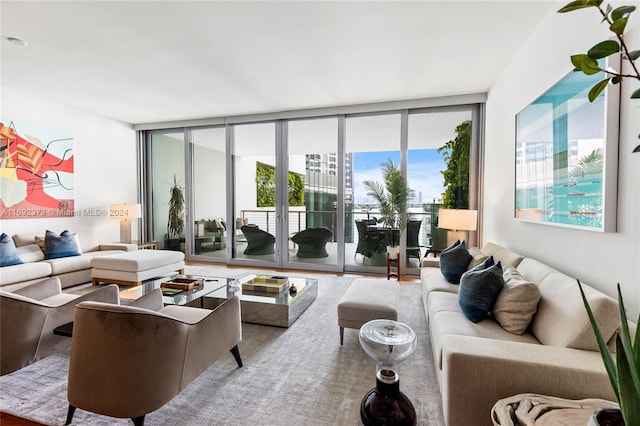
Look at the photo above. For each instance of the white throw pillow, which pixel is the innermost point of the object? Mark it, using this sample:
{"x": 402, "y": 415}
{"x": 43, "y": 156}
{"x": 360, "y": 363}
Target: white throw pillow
{"x": 516, "y": 303}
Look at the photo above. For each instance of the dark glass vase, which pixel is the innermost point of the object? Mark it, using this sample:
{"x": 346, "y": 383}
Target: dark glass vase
{"x": 385, "y": 404}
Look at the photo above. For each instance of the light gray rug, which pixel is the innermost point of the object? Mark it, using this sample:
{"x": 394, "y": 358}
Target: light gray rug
{"x": 295, "y": 376}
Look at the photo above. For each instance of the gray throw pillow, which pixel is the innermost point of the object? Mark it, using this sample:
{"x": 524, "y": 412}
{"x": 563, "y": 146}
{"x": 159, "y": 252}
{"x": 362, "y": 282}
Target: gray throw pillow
{"x": 479, "y": 289}
{"x": 453, "y": 261}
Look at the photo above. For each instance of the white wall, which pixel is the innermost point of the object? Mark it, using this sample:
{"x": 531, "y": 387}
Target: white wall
{"x": 104, "y": 164}
{"x": 599, "y": 259}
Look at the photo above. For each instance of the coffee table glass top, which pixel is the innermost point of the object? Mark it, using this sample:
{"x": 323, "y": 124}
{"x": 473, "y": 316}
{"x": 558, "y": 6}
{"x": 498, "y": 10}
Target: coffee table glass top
{"x": 282, "y": 298}
{"x": 211, "y": 284}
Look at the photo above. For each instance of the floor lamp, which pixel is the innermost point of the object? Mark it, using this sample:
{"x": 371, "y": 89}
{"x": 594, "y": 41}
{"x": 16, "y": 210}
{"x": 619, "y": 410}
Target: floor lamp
{"x": 125, "y": 212}
{"x": 459, "y": 223}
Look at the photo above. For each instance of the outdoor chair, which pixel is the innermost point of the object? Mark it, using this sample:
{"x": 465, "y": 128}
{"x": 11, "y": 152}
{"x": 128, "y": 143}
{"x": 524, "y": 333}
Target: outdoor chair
{"x": 258, "y": 241}
{"x": 363, "y": 228}
{"x": 312, "y": 242}
{"x": 29, "y": 315}
{"x": 128, "y": 361}
{"x": 413, "y": 240}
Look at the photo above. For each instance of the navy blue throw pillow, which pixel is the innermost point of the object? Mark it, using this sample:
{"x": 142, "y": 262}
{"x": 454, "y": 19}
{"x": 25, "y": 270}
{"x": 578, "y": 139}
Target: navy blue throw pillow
{"x": 454, "y": 260}
{"x": 8, "y": 254}
{"x": 63, "y": 245}
{"x": 479, "y": 289}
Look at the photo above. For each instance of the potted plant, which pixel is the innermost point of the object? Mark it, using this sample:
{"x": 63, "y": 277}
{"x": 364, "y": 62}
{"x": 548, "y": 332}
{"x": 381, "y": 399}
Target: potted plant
{"x": 624, "y": 371}
{"x": 175, "y": 223}
{"x": 392, "y": 198}
{"x": 376, "y": 243}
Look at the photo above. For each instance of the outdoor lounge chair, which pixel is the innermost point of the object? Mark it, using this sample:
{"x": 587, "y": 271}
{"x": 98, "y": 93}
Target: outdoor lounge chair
{"x": 312, "y": 242}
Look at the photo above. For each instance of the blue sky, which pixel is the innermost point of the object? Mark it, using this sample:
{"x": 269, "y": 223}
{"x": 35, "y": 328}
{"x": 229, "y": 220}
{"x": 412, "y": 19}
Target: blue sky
{"x": 424, "y": 166}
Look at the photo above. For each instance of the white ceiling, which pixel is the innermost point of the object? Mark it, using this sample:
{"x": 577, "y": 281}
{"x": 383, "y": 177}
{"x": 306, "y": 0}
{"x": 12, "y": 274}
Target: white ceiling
{"x": 152, "y": 61}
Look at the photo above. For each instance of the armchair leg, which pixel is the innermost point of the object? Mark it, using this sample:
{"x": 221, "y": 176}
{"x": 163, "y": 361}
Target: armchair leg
{"x": 341, "y": 335}
{"x": 70, "y": 413}
{"x": 138, "y": 421}
{"x": 236, "y": 355}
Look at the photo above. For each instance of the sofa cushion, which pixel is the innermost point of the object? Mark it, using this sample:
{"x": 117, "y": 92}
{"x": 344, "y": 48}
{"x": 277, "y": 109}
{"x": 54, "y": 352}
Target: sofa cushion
{"x": 57, "y": 246}
{"x": 24, "y": 272}
{"x": 505, "y": 256}
{"x": 433, "y": 280}
{"x": 87, "y": 240}
{"x": 534, "y": 271}
{"x": 454, "y": 260}
{"x": 479, "y": 289}
{"x": 63, "y": 265}
{"x": 477, "y": 257}
{"x": 8, "y": 254}
{"x": 30, "y": 253}
{"x": 446, "y": 323}
{"x": 562, "y": 319}
{"x": 24, "y": 239}
{"x": 517, "y": 302}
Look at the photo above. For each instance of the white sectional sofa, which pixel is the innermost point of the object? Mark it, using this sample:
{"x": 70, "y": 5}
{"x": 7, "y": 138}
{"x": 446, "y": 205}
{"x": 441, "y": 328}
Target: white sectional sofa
{"x": 479, "y": 363}
{"x": 71, "y": 271}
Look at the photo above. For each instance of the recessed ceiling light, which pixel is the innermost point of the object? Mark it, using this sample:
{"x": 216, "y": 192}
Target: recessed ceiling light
{"x": 17, "y": 41}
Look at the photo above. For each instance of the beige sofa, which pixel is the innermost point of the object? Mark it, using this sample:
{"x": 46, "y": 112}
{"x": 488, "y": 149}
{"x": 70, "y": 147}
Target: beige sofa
{"x": 479, "y": 363}
{"x": 71, "y": 271}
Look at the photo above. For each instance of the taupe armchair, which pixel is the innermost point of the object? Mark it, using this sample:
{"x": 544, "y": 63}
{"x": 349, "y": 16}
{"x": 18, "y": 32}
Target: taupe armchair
{"x": 29, "y": 315}
{"x": 127, "y": 361}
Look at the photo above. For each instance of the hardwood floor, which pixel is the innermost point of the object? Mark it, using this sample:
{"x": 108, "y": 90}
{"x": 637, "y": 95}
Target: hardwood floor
{"x": 11, "y": 420}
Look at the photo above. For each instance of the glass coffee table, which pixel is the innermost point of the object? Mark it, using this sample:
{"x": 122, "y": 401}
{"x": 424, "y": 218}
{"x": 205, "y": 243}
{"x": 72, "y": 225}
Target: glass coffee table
{"x": 175, "y": 297}
{"x": 278, "y": 309}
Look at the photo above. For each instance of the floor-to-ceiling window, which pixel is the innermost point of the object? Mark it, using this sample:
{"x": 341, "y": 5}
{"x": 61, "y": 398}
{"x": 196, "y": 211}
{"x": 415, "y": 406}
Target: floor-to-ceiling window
{"x": 291, "y": 192}
{"x": 167, "y": 186}
{"x": 255, "y": 216}
{"x": 208, "y": 183}
{"x": 371, "y": 141}
{"x": 312, "y": 186}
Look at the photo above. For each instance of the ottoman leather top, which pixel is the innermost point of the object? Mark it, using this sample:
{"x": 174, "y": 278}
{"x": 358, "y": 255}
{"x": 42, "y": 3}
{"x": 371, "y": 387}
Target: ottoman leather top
{"x": 138, "y": 260}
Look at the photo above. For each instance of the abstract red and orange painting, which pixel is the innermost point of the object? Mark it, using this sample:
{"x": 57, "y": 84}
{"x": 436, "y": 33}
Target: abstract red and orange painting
{"x": 36, "y": 172}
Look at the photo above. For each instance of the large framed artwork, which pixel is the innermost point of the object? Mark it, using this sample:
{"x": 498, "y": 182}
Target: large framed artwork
{"x": 566, "y": 156}
{"x": 36, "y": 172}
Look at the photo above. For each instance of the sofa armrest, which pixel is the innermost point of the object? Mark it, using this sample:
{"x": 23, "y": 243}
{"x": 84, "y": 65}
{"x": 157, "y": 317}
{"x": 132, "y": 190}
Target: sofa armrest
{"x": 41, "y": 289}
{"x": 478, "y": 372}
{"x": 118, "y": 246}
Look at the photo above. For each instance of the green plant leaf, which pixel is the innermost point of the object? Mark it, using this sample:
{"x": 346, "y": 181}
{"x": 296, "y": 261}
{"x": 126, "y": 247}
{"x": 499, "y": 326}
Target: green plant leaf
{"x": 621, "y": 11}
{"x": 619, "y": 25}
{"x": 629, "y": 388}
{"x": 579, "y": 4}
{"x": 609, "y": 364}
{"x": 597, "y": 89}
{"x": 604, "y": 49}
{"x": 636, "y": 94}
{"x": 617, "y": 79}
{"x": 585, "y": 64}
{"x": 635, "y": 54}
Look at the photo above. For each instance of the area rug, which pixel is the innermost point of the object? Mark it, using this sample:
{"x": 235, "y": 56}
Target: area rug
{"x": 295, "y": 376}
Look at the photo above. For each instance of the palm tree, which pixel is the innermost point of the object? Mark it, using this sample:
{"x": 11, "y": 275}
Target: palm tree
{"x": 392, "y": 197}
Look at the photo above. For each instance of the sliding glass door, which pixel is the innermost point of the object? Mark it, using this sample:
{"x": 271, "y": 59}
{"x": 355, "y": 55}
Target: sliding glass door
{"x": 298, "y": 193}
{"x": 371, "y": 141}
{"x": 255, "y": 217}
{"x": 208, "y": 178}
{"x": 312, "y": 188}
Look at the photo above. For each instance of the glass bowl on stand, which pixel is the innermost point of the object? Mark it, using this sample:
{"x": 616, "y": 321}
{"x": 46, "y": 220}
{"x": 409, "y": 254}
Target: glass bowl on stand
{"x": 389, "y": 343}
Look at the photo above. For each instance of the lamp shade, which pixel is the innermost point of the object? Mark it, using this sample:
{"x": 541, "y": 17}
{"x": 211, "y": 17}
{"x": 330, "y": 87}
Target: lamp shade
{"x": 125, "y": 211}
{"x": 460, "y": 220}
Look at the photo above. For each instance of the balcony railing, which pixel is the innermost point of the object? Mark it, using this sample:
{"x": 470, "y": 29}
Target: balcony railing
{"x": 298, "y": 220}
